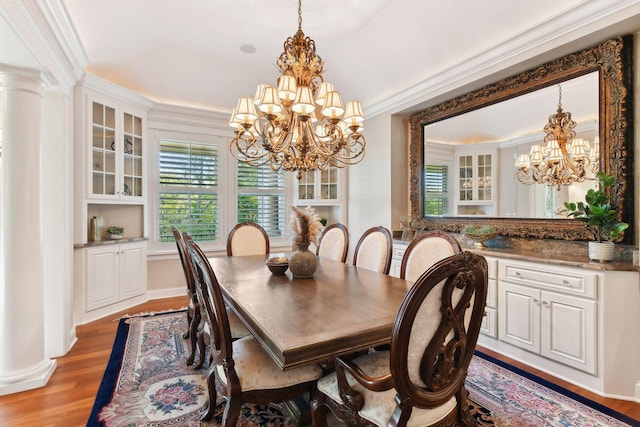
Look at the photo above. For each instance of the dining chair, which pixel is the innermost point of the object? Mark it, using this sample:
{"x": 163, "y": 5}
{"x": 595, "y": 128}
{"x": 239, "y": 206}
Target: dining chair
{"x": 373, "y": 250}
{"x": 420, "y": 380}
{"x": 193, "y": 309}
{"x": 241, "y": 370}
{"x": 334, "y": 243}
{"x": 425, "y": 250}
{"x": 247, "y": 238}
{"x": 194, "y": 320}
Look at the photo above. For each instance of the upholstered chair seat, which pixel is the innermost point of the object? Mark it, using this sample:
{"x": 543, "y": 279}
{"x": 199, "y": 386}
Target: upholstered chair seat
{"x": 256, "y": 370}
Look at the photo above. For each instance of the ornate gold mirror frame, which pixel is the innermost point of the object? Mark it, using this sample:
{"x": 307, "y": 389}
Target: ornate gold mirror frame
{"x": 613, "y": 61}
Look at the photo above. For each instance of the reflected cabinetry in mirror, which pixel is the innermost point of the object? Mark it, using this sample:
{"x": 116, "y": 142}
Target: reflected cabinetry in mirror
{"x": 474, "y": 200}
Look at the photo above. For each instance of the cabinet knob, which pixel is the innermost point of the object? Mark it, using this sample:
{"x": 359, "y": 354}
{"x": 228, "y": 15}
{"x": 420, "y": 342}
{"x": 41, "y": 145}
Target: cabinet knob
{"x": 566, "y": 283}
{"x": 545, "y": 303}
{"x": 537, "y": 301}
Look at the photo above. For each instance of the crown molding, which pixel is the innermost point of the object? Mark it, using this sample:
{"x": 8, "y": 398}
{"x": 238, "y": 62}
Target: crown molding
{"x": 91, "y": 81}
{"x": 44, "y": 28}
{"x": 586, "y": 24}
{"x": 183, "y": 118}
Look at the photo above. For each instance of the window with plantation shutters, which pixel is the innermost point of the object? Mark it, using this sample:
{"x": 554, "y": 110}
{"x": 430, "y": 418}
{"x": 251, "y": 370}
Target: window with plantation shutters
{"x": 436, "y": 190}
{"x": 188, "y": 189}
{"x": 261, "y": 197}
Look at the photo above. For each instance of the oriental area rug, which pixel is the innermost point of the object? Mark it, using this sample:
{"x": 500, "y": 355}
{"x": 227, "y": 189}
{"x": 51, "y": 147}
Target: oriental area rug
{"x": 147, "y": 383}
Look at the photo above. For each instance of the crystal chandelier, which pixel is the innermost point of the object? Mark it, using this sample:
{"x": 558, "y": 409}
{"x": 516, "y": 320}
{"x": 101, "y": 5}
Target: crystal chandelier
{"x": 302, "y": 125}
{"x": 563, "y": 159}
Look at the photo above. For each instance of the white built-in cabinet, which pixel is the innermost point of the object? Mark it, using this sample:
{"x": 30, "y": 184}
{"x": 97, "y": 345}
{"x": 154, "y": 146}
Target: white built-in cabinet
{"x": 324, "y": 190}
{"x": 319, "y": 186}
{"x": 110, "y": 152}
{"x": 115, "y": 273}
{"x": 576, "y": 322}
{"x": 116, "y": 156}
{"x": 550, "y": 312}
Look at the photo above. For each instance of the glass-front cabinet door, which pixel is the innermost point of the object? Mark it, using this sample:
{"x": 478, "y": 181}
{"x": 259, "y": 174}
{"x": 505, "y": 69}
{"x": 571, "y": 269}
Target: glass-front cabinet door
{"x": 103, "y": 150}
{"x": 475, "y": 183}
{"x": 329, "y": 183}
{"x": 318, "y": 186}
{"x": 132, "y": 155}
{"x": 116, "y": 153}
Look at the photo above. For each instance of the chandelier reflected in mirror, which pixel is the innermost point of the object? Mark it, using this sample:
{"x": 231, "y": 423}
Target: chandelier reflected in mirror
{"x": 302, "y": 124}
{"x": 562, "y": 159}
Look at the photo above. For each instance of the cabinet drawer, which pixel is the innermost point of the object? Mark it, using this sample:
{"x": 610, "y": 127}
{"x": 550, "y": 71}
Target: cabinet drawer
{"x": 570, "y": 281}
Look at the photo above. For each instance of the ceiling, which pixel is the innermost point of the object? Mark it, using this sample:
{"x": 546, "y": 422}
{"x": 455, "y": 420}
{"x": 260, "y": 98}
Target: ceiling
{"x": 373, "y": 49}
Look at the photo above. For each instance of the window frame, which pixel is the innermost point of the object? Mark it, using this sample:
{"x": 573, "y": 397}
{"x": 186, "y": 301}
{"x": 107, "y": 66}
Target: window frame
{"x": 227, "y": 191}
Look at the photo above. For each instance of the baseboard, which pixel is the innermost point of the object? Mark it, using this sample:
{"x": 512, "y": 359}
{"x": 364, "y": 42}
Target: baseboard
{"x": 167, "y": 293}
{"x": 38, "y": 377}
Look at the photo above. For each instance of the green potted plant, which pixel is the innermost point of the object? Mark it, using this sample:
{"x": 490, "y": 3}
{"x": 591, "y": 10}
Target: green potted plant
{"x": 600, "y": 217}
{"x": 115, "y": 231}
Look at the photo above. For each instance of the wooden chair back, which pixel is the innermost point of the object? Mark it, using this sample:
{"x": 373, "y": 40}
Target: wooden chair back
{"x": 252, "y": 376}
{"x": 432, "y": 343}
{"x": 436, "y": 331}
{"x": 213, "y": 306}
{"x": 247, "y": 238}
{"x": 334, "y": 243}
{"x": 193, "y": 309}
{"x": 425, "y": 250}
{"x": 373, "y": 250}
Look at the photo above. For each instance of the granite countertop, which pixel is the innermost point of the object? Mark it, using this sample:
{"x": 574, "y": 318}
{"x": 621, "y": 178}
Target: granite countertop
{"x": 558, "y": 252}
{"x": 108, "y": 242}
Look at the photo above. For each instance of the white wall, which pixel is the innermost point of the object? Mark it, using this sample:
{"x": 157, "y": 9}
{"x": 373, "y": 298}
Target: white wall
{"x": 370, "y": 190}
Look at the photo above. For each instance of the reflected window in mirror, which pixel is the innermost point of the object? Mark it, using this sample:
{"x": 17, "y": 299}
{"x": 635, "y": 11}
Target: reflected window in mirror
{"x": 486, "y": 142}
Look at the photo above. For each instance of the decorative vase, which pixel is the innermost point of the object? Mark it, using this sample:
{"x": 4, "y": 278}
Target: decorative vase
{"x": 601, "y": 251}
{"x": 303, "y": 262}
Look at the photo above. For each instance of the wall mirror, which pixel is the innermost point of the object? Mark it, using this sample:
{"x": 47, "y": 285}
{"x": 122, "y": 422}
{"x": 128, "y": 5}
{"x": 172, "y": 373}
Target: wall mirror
{"x": 471, "y": 143}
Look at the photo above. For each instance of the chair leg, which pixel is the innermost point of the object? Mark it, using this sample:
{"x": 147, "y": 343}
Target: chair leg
{"x": 201, "y": 351}
{"x": 189, "y": 319}
{"x": 319, "y": 412}
{"x": 193, "y": 334}
{"x": 231, "y": 413}
{"x": 213, "y": 395}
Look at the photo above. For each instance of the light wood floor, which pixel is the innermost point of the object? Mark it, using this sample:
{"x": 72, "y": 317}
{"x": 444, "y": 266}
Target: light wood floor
{"x": 68, "y": 397}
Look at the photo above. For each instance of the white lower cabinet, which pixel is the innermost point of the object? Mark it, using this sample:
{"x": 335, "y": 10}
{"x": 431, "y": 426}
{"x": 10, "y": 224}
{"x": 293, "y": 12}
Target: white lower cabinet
{"x": 556, "y": 326}
{"x": 111, "y": 277}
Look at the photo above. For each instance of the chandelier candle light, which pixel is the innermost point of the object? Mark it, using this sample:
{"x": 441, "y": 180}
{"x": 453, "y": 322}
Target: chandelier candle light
{"x": 302, "y": 125}
{"x": 563, "y": 159}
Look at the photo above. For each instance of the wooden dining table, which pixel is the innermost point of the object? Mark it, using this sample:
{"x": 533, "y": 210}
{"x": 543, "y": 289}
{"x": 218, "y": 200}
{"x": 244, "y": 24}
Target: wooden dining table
{"x": 340, "y": 310}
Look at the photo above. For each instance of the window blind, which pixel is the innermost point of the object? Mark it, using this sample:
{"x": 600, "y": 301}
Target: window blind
{"x": 436, "y": 190}
{"x": 188, "y": 194}
{"x": 261, "y": 197}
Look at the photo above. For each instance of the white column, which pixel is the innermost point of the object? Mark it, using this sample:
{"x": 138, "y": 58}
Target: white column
{"x": 23, "y": 364}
